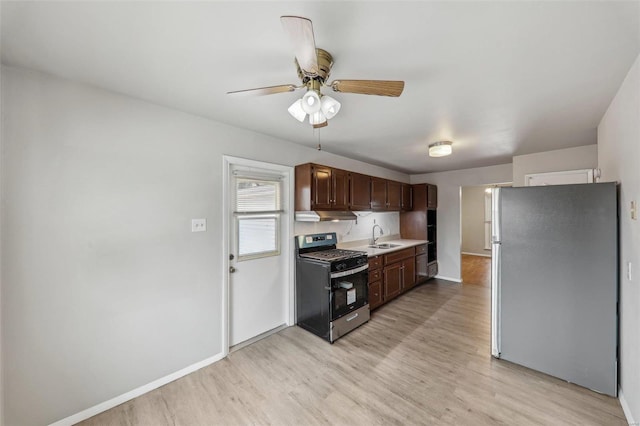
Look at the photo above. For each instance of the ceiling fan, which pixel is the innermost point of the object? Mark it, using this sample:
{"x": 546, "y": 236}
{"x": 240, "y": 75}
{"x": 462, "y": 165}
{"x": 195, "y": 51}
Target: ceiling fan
{"x": 314, "y": 66}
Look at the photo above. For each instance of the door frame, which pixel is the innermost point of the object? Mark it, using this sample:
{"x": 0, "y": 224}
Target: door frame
{"x": 286, "y": 244}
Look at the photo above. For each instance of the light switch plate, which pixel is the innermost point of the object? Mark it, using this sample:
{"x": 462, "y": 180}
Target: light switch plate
{"x": 198, "y": 225}
{"x": 634, "y": 210}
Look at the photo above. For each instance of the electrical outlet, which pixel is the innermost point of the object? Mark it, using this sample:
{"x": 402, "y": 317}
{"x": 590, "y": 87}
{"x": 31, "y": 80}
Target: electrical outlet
{"x": 198, "y": 225}
{"x": 634, "y": 210}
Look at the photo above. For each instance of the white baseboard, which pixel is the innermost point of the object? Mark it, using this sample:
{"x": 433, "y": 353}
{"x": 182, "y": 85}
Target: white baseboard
{"x": 625, "y": 408}
{"x": 476, "y": 254}
{"x": 104, "y": 406}
{"x": 440, "y": 277}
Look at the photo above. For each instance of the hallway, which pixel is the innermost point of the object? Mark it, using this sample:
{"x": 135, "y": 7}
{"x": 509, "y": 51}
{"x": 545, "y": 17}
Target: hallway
{"x": 476, "y": 270}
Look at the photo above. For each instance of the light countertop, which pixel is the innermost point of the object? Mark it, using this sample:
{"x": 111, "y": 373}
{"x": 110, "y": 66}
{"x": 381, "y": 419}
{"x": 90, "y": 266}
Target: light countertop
{"x": 402, "y": 244}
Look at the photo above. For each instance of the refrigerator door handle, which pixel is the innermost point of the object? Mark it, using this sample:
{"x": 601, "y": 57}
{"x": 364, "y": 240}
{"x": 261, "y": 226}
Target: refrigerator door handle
{"x": 495, "y": 272}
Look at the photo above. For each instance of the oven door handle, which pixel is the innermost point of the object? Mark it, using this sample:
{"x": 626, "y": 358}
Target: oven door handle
{"x": 349, "y": 272}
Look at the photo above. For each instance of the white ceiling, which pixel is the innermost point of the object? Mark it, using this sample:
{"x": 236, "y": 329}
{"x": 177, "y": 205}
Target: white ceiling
{"x": 497, "y": 78}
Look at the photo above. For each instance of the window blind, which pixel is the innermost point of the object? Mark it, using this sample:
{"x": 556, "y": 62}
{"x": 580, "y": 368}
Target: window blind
{"x": 255, "y": 195}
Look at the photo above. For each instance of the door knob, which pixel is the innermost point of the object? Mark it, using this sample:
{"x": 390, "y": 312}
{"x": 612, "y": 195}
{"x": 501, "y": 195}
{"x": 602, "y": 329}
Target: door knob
{"x": 231, "y": 269}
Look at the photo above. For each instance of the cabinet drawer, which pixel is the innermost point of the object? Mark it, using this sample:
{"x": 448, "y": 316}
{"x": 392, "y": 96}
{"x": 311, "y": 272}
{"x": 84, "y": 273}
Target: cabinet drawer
{"x": 375, "y": 262}
{"x": 375, "y": 294}
{"x": 375, "y": 275}
{"x": 421, "y": 249}
{"x": 399, "y": 255}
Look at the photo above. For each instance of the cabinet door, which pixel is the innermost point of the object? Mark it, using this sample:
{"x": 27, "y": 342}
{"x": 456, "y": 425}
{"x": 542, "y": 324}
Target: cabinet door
{"x": 321, "y": 188}
{"x": 375, "y": 294}
{"x": 394, "y": 195}
{"x": 360, "y": 192}
{"x": 408, "y": 273}
{"x": 378, "y": 194}
{"x": 432, "y": 197}
{"x": 340, "y": 189}
{"x": 407, "y": 197}
{"x": 392, "y": 280}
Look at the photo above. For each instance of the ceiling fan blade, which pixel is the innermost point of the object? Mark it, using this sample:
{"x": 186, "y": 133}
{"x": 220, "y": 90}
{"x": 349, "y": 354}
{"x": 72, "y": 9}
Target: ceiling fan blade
{"x": 369, "y": 87}
{"x": 266, "y": 90}
{"x": 300, "y": 33}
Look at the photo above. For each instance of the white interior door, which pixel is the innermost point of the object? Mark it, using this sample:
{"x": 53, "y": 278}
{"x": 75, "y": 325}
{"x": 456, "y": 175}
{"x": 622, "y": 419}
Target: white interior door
{"x": 259, "y": 228}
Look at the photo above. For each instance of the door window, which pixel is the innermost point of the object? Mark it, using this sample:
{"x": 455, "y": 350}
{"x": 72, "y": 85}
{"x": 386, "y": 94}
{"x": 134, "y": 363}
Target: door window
{"x": 257, "y": 215}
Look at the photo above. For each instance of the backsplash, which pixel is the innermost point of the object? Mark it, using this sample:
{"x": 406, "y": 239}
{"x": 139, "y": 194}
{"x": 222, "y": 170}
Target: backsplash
{"x": 349, "y": 230}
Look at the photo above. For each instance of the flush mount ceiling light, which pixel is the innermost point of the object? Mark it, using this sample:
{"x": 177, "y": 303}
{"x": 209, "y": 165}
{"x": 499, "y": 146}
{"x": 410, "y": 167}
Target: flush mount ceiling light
{"x": 440, "y": 149}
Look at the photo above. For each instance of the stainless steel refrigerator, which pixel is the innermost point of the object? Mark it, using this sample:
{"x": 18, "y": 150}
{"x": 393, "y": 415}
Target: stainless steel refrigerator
{"x": 555, "y": 281}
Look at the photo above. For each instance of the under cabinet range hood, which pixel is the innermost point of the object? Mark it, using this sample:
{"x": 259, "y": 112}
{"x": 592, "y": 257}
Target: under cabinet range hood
{"x": 324, "y": 216}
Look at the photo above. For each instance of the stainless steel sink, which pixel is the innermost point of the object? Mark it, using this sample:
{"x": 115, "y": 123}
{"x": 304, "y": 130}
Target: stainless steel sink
{"x": 384, "y": 246}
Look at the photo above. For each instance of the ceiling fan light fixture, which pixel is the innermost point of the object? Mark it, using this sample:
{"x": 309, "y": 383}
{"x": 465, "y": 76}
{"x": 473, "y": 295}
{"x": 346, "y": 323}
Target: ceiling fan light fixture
{"x": 297, "y": 111}
{"x": 317, "y": 118}
{"x": 329, "y": 106}
{"x": 440, "y": 149}
{"x": 311, "y": 102}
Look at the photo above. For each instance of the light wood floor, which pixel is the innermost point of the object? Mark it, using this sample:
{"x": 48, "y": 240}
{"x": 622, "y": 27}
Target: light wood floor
{"x": 476, "y": 270}
{"x": 422, "y": 359}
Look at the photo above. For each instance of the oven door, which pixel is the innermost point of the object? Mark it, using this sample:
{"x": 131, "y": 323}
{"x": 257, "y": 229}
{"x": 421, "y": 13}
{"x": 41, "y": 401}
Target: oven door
{"x": 349, "y": 290}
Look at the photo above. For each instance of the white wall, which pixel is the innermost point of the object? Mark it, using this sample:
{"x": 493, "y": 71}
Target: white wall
{"x": 449, "y": 229}
{"x": 578, "y": 158}
{"x": 105, "y": 288}
{"x": 472, "y": 219}
{"x": 618, "y": 160}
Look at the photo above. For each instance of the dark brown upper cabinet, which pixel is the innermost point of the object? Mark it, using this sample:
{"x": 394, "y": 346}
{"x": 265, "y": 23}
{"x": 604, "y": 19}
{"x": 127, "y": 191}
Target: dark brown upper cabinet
{"x": 378, "y": 193}
{"x": 321, "y": 194}
{"x": 360, "y": 192}
{"x": 326, "y": 188}
{"x": 432, "y": 197}
{"x": 321, "y": 188}
{"x": 407, "y": 197}
{"x": 340, "y": 189}
{"x": 394, "y": 195}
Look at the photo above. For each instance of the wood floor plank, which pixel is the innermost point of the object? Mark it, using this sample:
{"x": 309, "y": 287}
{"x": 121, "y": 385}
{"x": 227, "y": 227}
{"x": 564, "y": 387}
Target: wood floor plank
{"x": 424, "y": 358}
{"x": 476, "y": 270}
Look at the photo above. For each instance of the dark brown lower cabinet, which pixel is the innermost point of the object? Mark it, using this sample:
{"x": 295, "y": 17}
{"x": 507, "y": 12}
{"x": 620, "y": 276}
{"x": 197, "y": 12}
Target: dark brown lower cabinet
{"x": 408, "y": 274}
{"x": 375, "y": 282}
{"x": 392, "y": 280}
{"x": 392, "y": 274}
{"x": 399, "y": 277}
{"x": 375, "y": 294}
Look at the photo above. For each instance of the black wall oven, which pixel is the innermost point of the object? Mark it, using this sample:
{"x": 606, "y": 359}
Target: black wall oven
{"x": 331, "y": 286}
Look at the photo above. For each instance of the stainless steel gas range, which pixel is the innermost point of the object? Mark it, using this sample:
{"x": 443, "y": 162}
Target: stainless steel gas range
{"x": 331, "y": 286}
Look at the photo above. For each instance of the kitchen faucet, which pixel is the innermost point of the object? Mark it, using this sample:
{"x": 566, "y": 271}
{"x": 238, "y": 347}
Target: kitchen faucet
{"x": 373, "y": 234}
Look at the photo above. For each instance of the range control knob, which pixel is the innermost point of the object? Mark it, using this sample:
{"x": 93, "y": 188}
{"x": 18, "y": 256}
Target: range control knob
{"x": 340, "y": 266}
